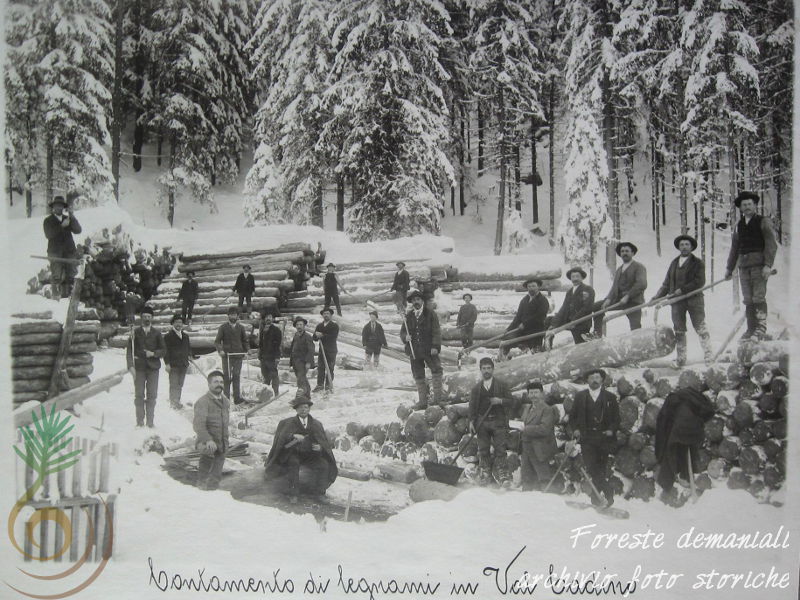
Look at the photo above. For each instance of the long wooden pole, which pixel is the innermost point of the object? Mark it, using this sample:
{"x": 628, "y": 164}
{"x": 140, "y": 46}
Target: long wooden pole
{"x": 59, "y": 366}
{"x": 560, "y": 328}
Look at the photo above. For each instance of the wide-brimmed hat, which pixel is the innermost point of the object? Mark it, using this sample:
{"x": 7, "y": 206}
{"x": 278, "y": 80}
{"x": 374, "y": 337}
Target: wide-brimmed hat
{"x": 746, "y": 196}
{"x": 147, "y": 310}
{"x": 300, "y": 398}
{"x": 532, "y": 279}
{"x": 400, "y": 263}
{"x": 374, "y": 312}
{"x": 233, "y": 310}
{"x": 690, "y": 239}
{"x": 464, "y": 296}
{"x": 60, "y": 200}
{"x": 630, "y": 245}
{"x": 330, "y": 265}
{"x": 412, "y": 293}
{"x": 592, "y": 372}
{"x": 246, "y": 267}
{"x": 576, "y": 270}
{"x": 175, "y": 317}
{"x": 299, "y": 318}
{"x": 190, "y": 273}
{"x": 326, "y": 309}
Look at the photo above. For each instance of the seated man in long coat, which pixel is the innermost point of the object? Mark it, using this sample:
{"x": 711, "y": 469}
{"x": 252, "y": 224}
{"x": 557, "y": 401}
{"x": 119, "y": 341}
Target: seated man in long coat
{"x": 301, "y": 440}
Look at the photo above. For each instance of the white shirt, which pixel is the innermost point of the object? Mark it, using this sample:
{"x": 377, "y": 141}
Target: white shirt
{"x": 304, "y": 421}
{"x": 625, "y": 266}
{"x": 682, "y": 260}
{"x": 595, "y": 394}
{"x": 146, "y": 330}
{"x": 178, "y": 333}
{"x": 487, "y": 383}
{"x": 747, "y": 221}
{"x": 418, "y": 313}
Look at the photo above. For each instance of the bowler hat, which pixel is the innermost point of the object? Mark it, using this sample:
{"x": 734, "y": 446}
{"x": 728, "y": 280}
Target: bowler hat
{"x": 400, "y": 263}
{"x": 374, "y": 312}
{"x": 175, "y": 317}
{"x": 412, "y": 293}
{"x": 147, "y": 310}
{"x": 576, "y": 270}
{"x": 690, "y": 239}
{"x": 233, "y": 310}
{"x": 214, "y": 373}
{"x": 60, "y": 200}
{"x": 301, "y": 398}
{"x": 746, "y": 196}
{"x": 330, "y": 265}
{"x": 535, "y": 385}
{"x": 485, "y": 361}
{"x": 592, "y": 372}
{"x": 190, "y": 273}
{"x": 464, "y": 297}
{"x": 532, "y": 280}
{"x": 630, "y": 245}
{"x": 326, "y": 309}
{"x": 298, "y": 319}
{"x": 246, "y": 267}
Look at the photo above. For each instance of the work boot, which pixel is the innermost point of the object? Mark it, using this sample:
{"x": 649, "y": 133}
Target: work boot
{"x": 705, "y": 343}
{"x": 760, "y": 316}
{"x": 422, "y": 391}
{"x": 750, "y": 315}
{"x": 680, "y": 348}
{"x": 484, "y": 473}
{"x": 438, "y": 392}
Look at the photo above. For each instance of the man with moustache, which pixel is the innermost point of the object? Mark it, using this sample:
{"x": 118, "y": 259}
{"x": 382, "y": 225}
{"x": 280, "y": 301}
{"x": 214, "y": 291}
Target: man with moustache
{"x": 326, "y": 332}
{"x": 270, "y": 339}
{"x": 421, "y": 334}
{"x": 538, "y": 439}
{"x": 143, "y": 355}
{"x": 301, "y": 354}
{"x": 578, "y": 302}
{"x": 232, "y": 344}
{"x": 58, "y": 229}
{"x": 178, "y": 351}
{"x": 531, "y": 317}
{"x": 211, "y": 419}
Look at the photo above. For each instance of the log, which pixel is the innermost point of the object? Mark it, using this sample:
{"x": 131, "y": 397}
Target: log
{"x": 454, "y": 412}
{"x": 279, "y": 273}
{"x": 624, "y": 387}
{"x": 778, "y": 428}
{"x": 345, "y": 361}
{"x": 356, "y": 430}
{"x": 664, "y": 386}
{"x": 22, "y": 329}
{"x": 47, "y": 360}
{"x": 703, "y": 458}
{"x": 254, "y": 390}
{"x": 236, "y": 263}
{"x": 403, "y": 412}
{"x": 398, "y": 472}
{"x": 631, "y": 410}
{"x": 750, "y": 390}
{"x": 718, "y": 468}
{"x": 761, "y": 373}
{"x": 424, "y": 490}
{"x": 378, "y": 433}
{"x": 638, "y": 440}
{"x": 762, "y": 431}
{"x": 627, "y": 462}
{"x": 76, "y": 371}
{"x": 43, "y": 383}
{"x": 45, "y": 314}
{"x": 692, "y": 378}
{"x": 52, "y": 349}
{"x": 715, "y": 429}
{"x": 651, "y": 410}
{"x": 730, "y": 447}
{"x": 355, "y": 474}
{"x": 245, "y": 255}
{"x": 51, "y": 339}
{"x": 481, "y": 332}
{"x": 726, "y": 401}
{"x": 768, "y": 404}
{"x": 773, "y": 447}
{"x": 368, "y": 444}
{"x": 745, "y": 413}
{"x": 417, "y": 430}
{"x": 643, "y": 487}
{"x": 779, "y": 386}
{"x": 554, "y": 273}
{"x": 428, "y": 453}
{"x": 738, "y": 479}
{"x": 462, "y": 426}
{"x": 772, "y": 476}
{"x": 345, "y": 443}
{"x": 432, "y": 415}
{"x": 561, "y": 391}
{"x": 570, "y": 361}
{"x": 548, "y": 285}
{"x": 752, "y": 460}
{"x": 750, "y": 353}
{"x": 722, "y": 376}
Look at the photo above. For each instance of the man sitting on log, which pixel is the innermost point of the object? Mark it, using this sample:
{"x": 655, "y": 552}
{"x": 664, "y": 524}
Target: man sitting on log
{"x": 753, "y": 249}
{"x": 489, "y": 405}
{"x": 58, "y": 229}
{"x": 270, "y": 339}
{"x": 178, "y": 351}
{"x": 245, "y": 286}
{"x": 467, "y": 315}
{"x": 679, "y": 435}
{"x": 301, "y": 354}
{"x": 400, "y": 286}
{"x": 685, "y": 274}
{"x": 422, "y": 337}
{"x": 211, "y": 419}
{"x": 327, "y": 332}
{"x": 594, "y": 420}
{"x": 373, "y": 339}
{"x": 301, "y": 440}
{"x": 331, "y": 287}
{"x": 538, "y": 439}
{"x": 531, "y": 318}
{"x": 144, "y": 353}
{"x": 188, "y": 296}
{"x": 232, "y": 344}
{"x": 630, "y": 282}
{"x": 578, "y": 302}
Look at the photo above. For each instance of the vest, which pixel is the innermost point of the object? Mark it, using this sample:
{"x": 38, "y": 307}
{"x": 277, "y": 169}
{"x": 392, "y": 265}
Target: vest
{"x": 329, "y": 284}
{"x": 594, "y": 414}
{"x": 751, "y": 239}
{"x": 496, "y": 413}
{"x": 681, "y": 273}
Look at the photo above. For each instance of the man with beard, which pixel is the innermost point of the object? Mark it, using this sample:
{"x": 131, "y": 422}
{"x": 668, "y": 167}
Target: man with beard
{"x": 232, "y": 344}
{"x": 422, "y": 337}
{"x": 211, "y": 419}
{"x": 58, "y": 229}
{"x": 578, "y": 302}
{"x": 538, "y": 439}
{"x": 531, "y": 317}
{"x": 176, "y": 359}
{"x": 270, "y": 339}
{"x": 301, "y": 354}
{"x": 144, "y": 353}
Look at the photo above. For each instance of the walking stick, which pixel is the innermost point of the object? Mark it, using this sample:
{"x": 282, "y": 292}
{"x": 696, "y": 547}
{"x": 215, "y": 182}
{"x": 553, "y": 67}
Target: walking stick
{"x": 203, "y": 317}
{"x": 627, "y": 311}
{"x": 730, "y": 337}
{"x": 328, "y": 374}
{"x": 489, "y": 341}
{"x": 692, "y": 486}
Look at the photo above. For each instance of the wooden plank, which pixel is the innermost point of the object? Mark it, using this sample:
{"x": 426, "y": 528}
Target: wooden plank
{"x": 77, "y": 473}
{"x": 43, "y": 532}
{"x": 27, "y": 545}
{"x": 91, "y": 523}
{"x": 58, "y": 541}
{"x": 75, "y": 521}
{"x": 66, "y": 334}
{"x": 109, "y": 531}
{"x": 91, "y": 480}
{"x": 105, "y": 465}
{"x": 99, "y": 532}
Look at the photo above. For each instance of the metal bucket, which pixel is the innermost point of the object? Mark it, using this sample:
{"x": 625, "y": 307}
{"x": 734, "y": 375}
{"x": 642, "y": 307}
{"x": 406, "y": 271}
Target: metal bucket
{"x": 449, "y": 474}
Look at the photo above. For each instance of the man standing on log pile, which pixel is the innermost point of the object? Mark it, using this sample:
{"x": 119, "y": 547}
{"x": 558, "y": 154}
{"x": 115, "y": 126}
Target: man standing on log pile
{"x": 578, "y": 302}
{"x": 178, "y": 351}
{"x": 538, "y": 439}
{"x": 245, "y": 286}
{"x": 373, "y": 339}
{"x": 301, "y": 440}
{"x": 188, "y": 296}
{"x": 685, "y": 274}
{"x": 467, "y": 315}
{"x": 400, "y": 286}
{"x": 531, "y": 318}
{"x": 492, "y": 398}
{"x": 679, "y": 435}
{"x": 58, "y": 229}
{"x": 211, "y": 419}
{"x": 269, "y": 351}
{"x": 422, "y": 337}
{"x": 232, "y": 344}
{"x": 331, "y": 287}
{"x": 753, "y": 249}
{"x": 301, "y": 355}
{"x": 327, "y": 333}
{"x": 630, "y": 282}
{"x": 594, "y": 421}
{"x": 143, "y": 356}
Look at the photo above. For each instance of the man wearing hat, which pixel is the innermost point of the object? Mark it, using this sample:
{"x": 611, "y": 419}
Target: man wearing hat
{"x": 630, "y": 282}
{"x": 685, "y": 274}
{"x": 143, "y": 356}
{"x": 422, "y": 337}
{"x": 301, "y": 440}
{"x": 245, "y": 286}
{"x": 400, "y": 286}
{"x": 188, "y": 296}
{"x": 326, "y": 332}
{"x": 578, "y": 302}
{"x": 753, "y": 249}
{"x": 594, "y": 421}
{"x": 232, "y": 344}
{"x": 211, "y": 419}
{"x": 538, "y": 439}
{"x": 178, "y": 351}
{"x": 331, "y": 287}
{"x": 301, "y": 354}
{"x": 58, "y": 229}
{"x": 373, "y": 339}
{"x": 270, "y": 338}
{"x": 467, "y": 315}
{"x": 531, "y": 317}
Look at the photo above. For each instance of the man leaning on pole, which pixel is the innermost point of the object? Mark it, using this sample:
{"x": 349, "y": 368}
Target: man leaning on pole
{"x": 232, "y": 344}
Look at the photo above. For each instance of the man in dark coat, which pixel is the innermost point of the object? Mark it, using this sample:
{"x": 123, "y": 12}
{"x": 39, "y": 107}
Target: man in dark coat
{"x": 211, "y": 420}
{"x": 680, "y": 434}
{"x": 58, "y": 229}
{"x": 753, "y": 249}
{"x": 331, "y": 287}
{"x": 145, "y": 351}
{"x": 594, "y": 420}
{"x": 327, "y": 333}
{"x": 490, "y": 403}
{"x": 245, "y": 286}
{"x": 270, "y": 339}
{"x": 373, "y": 339}
{"x": 422, "y": 337}
{"x": 301, "y": 440}
{"x": 531, "y": 318}
{"x": 538, "y": 439}
{"x": 178, "y": 351}
{"x": 578, "y": 302}
{"x": 188, "y": 296}
{"x": 685, "y": 274}
{"x": 232, "y": 344}
{"x": 301, "y": 354}
{"x": 400, "y": 286}
{"x": 630, "y": 282}
{"x": 467, "y": 315}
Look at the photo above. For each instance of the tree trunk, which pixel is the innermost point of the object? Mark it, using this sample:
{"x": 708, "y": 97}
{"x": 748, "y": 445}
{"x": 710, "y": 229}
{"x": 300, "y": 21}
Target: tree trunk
{"x": 534, "y": 186}
{"x": 481, "y": 144}
{"x": 340, "y": 203}
{"x": 171, "y": 198}
{"x": 609, "y": 127}
{"x": 10, "y": 186}
{"x": 116, "y": 101}
{"x": 316, "y": 208}
{"x": 517, "y": 180}
{"x": 463, "y": 148}
{"x": 552, "y": 159}
{"x": 732, "y": 217}
{"x": 138, "y": 142}
{"x": 776, "y": 180}
{"x": 48, "y": 177}
{"x": 682, "y": 183}
{"x": 159, "y": 147}
{"x": 28, "y": 199}
{"x": 498, "y": 237}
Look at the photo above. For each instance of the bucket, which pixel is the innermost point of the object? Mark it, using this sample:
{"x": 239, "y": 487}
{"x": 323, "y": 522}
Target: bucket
{"x": 449, "y": 474}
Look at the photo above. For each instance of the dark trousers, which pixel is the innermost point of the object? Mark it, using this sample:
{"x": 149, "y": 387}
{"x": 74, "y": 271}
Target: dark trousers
{"x": 300, "y": 369}
{"x": 232, "y": 375}
{"x": 466, "y": 335}
{"x": 145, "y": 391}
{"x": 187, "y": 306}
{"x": 634, "y": 318}
{"x": 577, "y": 335}
{"x": 311, "y": 460}
{"x": 322, "y": 379}
{"x": 269, "y": 373}
{"x": 177, "y": 375}
{"x": 595, "y": 458}
{"x": 535, "y": 473}
{"x": 373, "y": 354}
{"x": 418, "y": 365}
{"x": 209, "y": 471}
{"x": 246, "y": 300}
{"x": 61, "y": 278}
{"x": 675, "y": 462}
{"x": 492, "y": 434}
{"x": 400, "y": 301}
{"x": 697, "y": 313}
{"x": 333, "y": 298}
